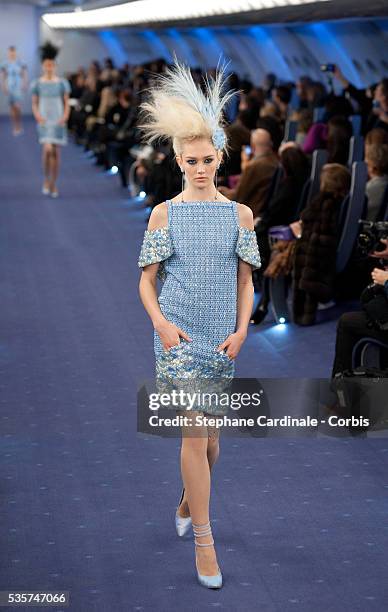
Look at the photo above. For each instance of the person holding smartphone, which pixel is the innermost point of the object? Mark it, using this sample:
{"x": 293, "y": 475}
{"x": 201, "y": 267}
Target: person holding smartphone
{"x": 352, "y": 326}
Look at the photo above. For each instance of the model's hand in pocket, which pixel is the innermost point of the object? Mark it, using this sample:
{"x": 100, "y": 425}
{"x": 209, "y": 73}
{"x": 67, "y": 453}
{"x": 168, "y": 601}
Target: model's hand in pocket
{"x": 232, "y": 344}
{"x": 170, "y": 334}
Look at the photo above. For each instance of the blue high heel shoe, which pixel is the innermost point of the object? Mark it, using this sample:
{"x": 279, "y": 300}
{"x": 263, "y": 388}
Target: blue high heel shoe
{"x": 182, "y": 524}
{"x": 214, "y": 581}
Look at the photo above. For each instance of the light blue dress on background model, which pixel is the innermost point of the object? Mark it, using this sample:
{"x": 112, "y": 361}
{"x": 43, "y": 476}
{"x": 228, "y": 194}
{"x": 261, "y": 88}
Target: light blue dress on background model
{"x": 13, "y": 72}
{"x": 199, "y": 252}
{"x": 51, "y": 108}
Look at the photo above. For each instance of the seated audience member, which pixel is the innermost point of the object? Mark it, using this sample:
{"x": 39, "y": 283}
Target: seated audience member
{"x": 269, "y": 83}
{"x": 362, "y": 97}
{"x": 339, "y": 133}
{"x": 107, "y": 133}
{"x": 316, "y": 95}
{"x": 301, "y": 89}
{"x": 376, "y": 157}
{"x": 255, "y": 100}
{"x": 117, "y": 114}
{"x": 270, "y": 109}
{"x": 283, "y": 206}
{"x": 304, "y": 117}
{"x": 164, "y": 179}
{"x": 353, "y": 326}
{"x": 252, "y": 188}
{"x": 239, "y": 135}
{"x": 281, "y": 95}
{"x": 334, "y": 136}
{"x": 331, "y": 131}
{"x": 316, "y": 138}
{"x": 378, "y": 118}
{"x": 316, "y": 250}
{"x": 281, "y": 210}
{"x": 109, "y": 73}
{"x": 77, "y": 82}
{"x": 93, "y": 122}
{"x": 87, "y": 105}
{"x": 337, "y": 106}
{"x": 376, "y": 136}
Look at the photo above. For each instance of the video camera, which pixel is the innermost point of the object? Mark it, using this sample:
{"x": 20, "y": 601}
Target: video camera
{"x": 371, "y": 234}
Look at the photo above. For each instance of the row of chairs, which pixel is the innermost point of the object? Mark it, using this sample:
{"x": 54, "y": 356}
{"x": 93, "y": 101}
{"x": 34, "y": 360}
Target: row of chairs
{"x": 368, "y": 351}
{"x": 352, "y": 209}
{"x": 291, "y": 127}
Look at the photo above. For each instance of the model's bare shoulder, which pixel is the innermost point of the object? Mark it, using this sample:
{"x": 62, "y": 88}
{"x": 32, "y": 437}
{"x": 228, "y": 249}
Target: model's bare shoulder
{"x": 245, "y": 216}
{"x": 159, "y": 217}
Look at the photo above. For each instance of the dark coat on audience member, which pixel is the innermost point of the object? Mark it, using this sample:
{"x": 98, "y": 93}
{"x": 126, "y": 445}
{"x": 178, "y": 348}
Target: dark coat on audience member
{"x": 255, "y": 182}
{"x": 315, "y": 257}
{"x": 281, "y": 210}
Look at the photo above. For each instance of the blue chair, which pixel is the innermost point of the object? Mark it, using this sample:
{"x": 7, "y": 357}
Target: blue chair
{"x": 351, "y": 212}
{"x": 319, "y": 114}
{"x": 355, "y": 120}
{"x": 356, "y": 150}
{"x": 311, "y": 187}
{"x": 368, "y": 352}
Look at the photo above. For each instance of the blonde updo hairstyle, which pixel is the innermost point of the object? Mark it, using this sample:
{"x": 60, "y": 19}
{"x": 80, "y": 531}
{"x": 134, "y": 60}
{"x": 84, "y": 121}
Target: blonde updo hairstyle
{"x": 176, "y": 109}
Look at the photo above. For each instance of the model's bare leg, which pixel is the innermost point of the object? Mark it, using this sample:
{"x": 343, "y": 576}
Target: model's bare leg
{"x": 16, "y": 114}
{"x": 213, "y": 445}
{"x": 213, "y": 451}
{"x": 196, "y": 478}
{"x": 54, "y": 167}
{"x": 46, "y": 154}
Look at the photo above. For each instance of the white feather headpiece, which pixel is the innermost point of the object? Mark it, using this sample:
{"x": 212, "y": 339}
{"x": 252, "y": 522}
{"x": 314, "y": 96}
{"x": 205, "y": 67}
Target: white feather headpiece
{"x": 179, "y": 109}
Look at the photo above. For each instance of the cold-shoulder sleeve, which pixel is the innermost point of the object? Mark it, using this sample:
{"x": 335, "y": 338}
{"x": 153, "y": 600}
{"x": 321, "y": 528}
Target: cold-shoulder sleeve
{"x": 157, "y": 246}
{"x": 247, "y": 248}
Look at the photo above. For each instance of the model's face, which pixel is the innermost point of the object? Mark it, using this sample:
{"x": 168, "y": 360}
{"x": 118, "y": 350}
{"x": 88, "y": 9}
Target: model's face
{"x": 199, "y": 161}
{"x": 12, "y": 55}
{"x": 48, "y": 67}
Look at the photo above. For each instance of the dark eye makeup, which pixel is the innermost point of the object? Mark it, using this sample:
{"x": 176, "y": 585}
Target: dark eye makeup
{"x": 207, "y": 160}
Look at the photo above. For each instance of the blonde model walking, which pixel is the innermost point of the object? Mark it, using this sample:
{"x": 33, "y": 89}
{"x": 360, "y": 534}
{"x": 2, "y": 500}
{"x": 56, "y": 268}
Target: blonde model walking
{"x": 203, "y": 246}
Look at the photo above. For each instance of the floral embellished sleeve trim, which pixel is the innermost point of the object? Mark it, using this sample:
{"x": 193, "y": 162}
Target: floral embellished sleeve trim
{"x": 247, "y": 248}
{"x": 157, "y": 246}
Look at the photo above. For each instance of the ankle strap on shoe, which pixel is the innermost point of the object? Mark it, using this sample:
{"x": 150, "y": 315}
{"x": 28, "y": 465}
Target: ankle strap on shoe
{"x": 202, "y": 530}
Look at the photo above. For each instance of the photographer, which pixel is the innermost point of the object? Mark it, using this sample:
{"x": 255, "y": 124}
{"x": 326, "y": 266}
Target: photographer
{"x": 352, "y": 326}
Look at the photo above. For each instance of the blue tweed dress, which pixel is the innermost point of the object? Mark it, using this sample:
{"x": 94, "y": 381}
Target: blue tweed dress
{"x": 51, "y": 108}
{"x": 13, "y": 73}
{"x": 198, "y": 251}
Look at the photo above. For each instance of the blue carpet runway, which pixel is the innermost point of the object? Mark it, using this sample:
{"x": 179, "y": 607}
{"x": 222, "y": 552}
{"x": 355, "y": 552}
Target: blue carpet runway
{"x": 87, "y": 505}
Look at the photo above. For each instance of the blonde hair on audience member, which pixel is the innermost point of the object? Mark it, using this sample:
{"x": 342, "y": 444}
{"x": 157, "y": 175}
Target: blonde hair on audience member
{"x": 335, "y": 179}
{"x": 376, "y": 136}
{"x": 178, "y": 110}
{"x": 377, "y": 156}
